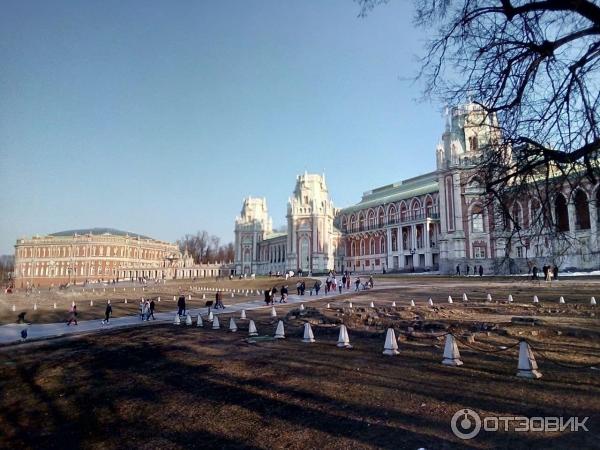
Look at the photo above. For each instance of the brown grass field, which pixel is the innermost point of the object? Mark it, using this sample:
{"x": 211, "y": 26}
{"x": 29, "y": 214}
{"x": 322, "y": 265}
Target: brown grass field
{"x": 163, "y": 386}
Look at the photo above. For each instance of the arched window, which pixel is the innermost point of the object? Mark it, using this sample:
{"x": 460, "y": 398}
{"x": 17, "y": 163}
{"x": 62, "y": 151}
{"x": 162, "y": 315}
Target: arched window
{"x": 352, "y": 249}
{"x": 362, "y": 247}
{"x": 372, "y": 246}
{"x": 477, "y": 219}
{"x": 352, "y": 222}
{"x": 517, "y": 216}
{"x": 562, "y": 213}
{"x": 582, "y": 211}
{"x": 473, "y": 144}
{"x": 371, "y": 220}
{"x": 392, "y": 214}
{"x": 403, "y": 213}
{"x": 380, "y": 218}
{"x": 344, "y": 223}
{"x": 361, "y": 222}
{"x": 382, "y": 248}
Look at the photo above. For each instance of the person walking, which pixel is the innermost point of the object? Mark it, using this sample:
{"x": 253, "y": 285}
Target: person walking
{"x": 302, "y": 288}
{"x": 107, "y": 313}
{"x": 181, "y": 305}
{"x": 72, "y": 315}
{"x": 555, "y": 273}
{"x": 219, "y": 300}
{"x": 341, "y": 285}
{"x": 357, "y": 284}
{"x": 267, "y": 296}
{"x": 298, "y": 284}
{"x": 458, "y": 270}
{"x": 284, "y": 294}
{"x": 317, "y": 287}
{"x": 273, "y": 294}
{"x": 151, "y": 307}
{"x": 534, "y": 273}
{"x": 480, "y": 271}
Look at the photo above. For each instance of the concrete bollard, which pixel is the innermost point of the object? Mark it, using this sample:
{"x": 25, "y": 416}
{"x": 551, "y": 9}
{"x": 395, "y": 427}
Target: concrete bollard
{"x": 343, "y": 339}
{"x": 54, "y": 305}
{"x": 216, "y": 325}
{"x": 527, "y": 367}
{"x": 243, "y": 314}
{"x": 177, "y": 320}
{"x": 489, "y": 297}
{"x": 188, "y": 319}
{"x": 232, "y": 295}
{"x": 561, "y": 300}
{"x": 328, "y": 306}
{"x": 391, "y": 345}
{"x": 510, "y": 298}
{"x": 535, "y": 299}
{"x": 14, "y": 308}
{"x": 125, "y": 301}
{"x": 430, "y": 301}
{"x": 252, "y": 331}
{"x": 450, "y": 299}
{"x": 35, "y": 306}
{"x": 91, "y": 302}
{"x": 273, "y": 312}
{"x": 349, "y": 304}
{"x": 302, "y": 307}
{"x": 394, "y": 304}
{"x": 451, "y": 353}
{"x": 309, "y": 337}
{"x": 372, "y": 305}
{"x": 412, "y": 303}
{"x": 210, "y": 317}
{"x": 158, "y": 299}
{"x": 199, "y": 322}
{"x": 232, "y": 325}
{"x": 203, "y": 296}
{"x": 279, "y": 332}
{"x": 593, "y": 301}
{"x": 465, "y": 298}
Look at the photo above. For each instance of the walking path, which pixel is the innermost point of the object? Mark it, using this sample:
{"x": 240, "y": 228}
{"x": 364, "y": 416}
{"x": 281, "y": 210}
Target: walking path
{"x": 12, "y": 332}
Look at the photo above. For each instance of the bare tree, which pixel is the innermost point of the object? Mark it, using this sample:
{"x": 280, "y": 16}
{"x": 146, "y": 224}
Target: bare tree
{"x": 205, "y": 248}
{"x": 533, "y": 68}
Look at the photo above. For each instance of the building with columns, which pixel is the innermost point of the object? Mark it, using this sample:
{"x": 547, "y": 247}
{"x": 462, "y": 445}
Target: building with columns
{"x": 102, "y": 255}
{"x": 431, "y": 222}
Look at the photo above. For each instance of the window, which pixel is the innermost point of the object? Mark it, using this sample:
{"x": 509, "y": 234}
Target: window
{"x": 562, "y": 213}
{"x": 479, "y": 252}
{"x": 477, "y": 220}
{"x": 372, "y": 246}
{"x": 582, "y": 211}
{"x": 473, "y": 144}
{"x": 519, "y": 252}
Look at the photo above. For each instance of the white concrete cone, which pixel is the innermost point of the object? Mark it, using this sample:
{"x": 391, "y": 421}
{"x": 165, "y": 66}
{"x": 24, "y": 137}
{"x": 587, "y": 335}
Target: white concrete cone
{"x": 561, "y": 300}
{"x": 93, "y": 289}
{"x": 450, "y": 299}
{"x": 123, "y": 289}
{"x": 350, "y": 305}
{"x": 451, "y": 353}
{"x": 134, "y": 289}
{"x": 174, "y": 299}
{"x": 593, "y": 301}
{"x": 301, "y": 306}
{"x": 279, "y": 332}
{"x": 412, "y": 303}
{"x": 328, "y": 306}
{"x": 535, "y": 299}
{"x": 465, "y": 298}
{"x": 430, "y": 302}
{"x": 13, "y": 308}
{"x": 257, "y": 292}
{"x": 35, "y": 306}
{"x": 216, "y": 324}
{"x": 510, "y": 298}
{"x": 114, "y": 289}
{"x": 343, "y": 339}
{"x": 273, "y": 312}
{"x": 54, "y": 306}
{"x": 527, "y": 366}
{"x": 73, "y": 304}
{"x": 393, "y": 304}
{"x": 232, "y": 325}
{"x": 203, "y": 296}
{"x": 243, "y": 314}
{"x": 489, "y": 297}
{"x": 210, "y": 317}
{"x": 246, "y": 293}
{"x": 190, "y": 297}
{"x": 125, "y": 300}
{"x": 232, "y": 295}
{"x": 252, "y": 331}
{"x": 372, "y": 305}
{"x": 159, "y": 299}
{"x": 177, "y": 320}
{"x": 199, "y": 322}
{"x": 188, "y": 319}
{"x": 91, "y": 302}
{"x": 391, "y": 346}
{"x": 308, "y": 334}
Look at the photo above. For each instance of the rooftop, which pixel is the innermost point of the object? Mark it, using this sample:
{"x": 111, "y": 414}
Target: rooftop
{"x": 97, "y": 232}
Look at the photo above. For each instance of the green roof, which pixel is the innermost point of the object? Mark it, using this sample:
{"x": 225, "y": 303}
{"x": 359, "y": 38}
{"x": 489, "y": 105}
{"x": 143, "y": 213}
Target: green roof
{"x": 412, "y": 187}
{"x": 97, "y": 232}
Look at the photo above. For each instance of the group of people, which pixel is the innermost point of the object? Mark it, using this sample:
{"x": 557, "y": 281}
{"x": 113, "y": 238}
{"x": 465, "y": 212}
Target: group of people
{"x": 550, "y": 272}
{"x": 147, "y": 309}
{"x": 468, "y": 270}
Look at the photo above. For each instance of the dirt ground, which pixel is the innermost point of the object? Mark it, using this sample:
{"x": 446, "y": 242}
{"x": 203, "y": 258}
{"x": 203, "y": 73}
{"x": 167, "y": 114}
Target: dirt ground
{"x": 39, "y": 306}
{"x": 164, "y": 386}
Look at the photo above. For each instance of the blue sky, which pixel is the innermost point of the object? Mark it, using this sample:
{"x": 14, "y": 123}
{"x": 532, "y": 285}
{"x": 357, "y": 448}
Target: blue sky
{"x": 159, "y": 117}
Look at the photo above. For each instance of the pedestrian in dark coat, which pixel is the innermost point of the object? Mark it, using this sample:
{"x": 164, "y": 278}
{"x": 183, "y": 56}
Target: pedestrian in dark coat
{"x": 181, "y": 305}
{"x": 107, "y": 312}
{"x": 480, "y": 271}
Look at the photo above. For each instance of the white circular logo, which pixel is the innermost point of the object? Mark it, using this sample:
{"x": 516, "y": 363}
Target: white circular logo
{"x": 465, "y": 424}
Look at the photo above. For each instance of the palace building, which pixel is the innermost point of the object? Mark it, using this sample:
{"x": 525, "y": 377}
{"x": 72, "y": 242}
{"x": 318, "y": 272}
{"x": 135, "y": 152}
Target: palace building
{"x": 431, "y": 222}
{"x": 102, "y": 254}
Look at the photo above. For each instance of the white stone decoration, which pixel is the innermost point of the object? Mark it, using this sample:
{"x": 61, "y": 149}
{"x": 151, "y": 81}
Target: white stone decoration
{"x": 451, "y": 353}
{"x": 391, "y": 345}
{"x": 527, "y": 367}
{"x": 308, "y": 334}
